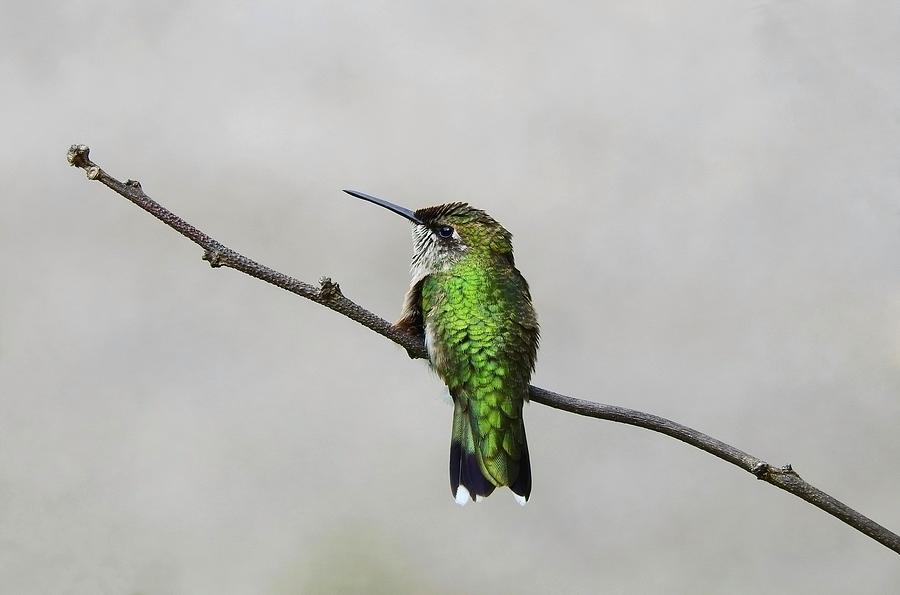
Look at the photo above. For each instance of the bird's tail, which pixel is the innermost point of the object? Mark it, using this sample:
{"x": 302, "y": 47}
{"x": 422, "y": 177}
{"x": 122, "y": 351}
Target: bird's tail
{"x": 469, "y": 478}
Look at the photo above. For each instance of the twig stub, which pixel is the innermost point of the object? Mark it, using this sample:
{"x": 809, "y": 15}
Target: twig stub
{"x": 214, "y": 258}
{"x": 328, "y": 289}
{"x": 760, "y": 470}
{"x": 79, "y": 156}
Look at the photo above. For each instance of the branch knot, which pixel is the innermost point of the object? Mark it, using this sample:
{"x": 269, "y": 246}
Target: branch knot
{"x": 760, "y": 470}
{"x": 328, "y": 289}
{"x": 214, "y": 258}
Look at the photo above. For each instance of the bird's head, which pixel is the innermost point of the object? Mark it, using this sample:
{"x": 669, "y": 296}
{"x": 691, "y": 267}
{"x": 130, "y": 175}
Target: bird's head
{"x": 444, "y": 234}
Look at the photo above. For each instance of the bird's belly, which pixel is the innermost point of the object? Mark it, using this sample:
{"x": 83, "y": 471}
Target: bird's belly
{"x": 458, "y": 353}
{"x": 438, "y": 353}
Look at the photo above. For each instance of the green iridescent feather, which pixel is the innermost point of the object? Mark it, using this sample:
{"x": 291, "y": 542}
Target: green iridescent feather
{"x": 474, "y": 309}
{"x": 482, "y": 335}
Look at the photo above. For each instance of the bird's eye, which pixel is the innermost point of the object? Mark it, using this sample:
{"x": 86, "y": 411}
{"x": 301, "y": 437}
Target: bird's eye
{"x": 445, "y": 231}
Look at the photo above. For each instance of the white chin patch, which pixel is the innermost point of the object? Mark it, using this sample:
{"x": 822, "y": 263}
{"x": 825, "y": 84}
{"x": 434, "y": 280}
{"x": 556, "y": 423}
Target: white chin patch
{"x": 462, "y": 495}
{"x": 520, "y": 499}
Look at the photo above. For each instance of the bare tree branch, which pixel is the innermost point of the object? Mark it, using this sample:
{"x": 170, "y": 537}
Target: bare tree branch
{"x": 329, "y": 295}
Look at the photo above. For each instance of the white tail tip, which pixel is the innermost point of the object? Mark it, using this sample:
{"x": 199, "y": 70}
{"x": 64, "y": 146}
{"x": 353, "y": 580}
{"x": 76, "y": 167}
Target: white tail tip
{"x": 462, "y": 495}
{"x": 520, "y": 499}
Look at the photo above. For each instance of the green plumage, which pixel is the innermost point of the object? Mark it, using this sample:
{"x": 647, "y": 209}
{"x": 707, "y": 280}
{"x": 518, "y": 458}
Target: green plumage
{"x": 474, "y": 309}
{"x": 482, "y": 335}
{"x": 482, "y": 351}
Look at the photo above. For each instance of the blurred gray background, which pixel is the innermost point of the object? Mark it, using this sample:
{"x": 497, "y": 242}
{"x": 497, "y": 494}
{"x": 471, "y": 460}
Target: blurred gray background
{"x": 704, "y": 197}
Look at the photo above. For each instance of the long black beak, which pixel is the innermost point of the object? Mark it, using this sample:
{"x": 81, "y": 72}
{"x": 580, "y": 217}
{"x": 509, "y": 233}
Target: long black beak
{"x": 388, "y": 205}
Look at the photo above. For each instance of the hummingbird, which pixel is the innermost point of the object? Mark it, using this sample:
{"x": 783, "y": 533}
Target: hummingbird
{"x": 473, "y": 308}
